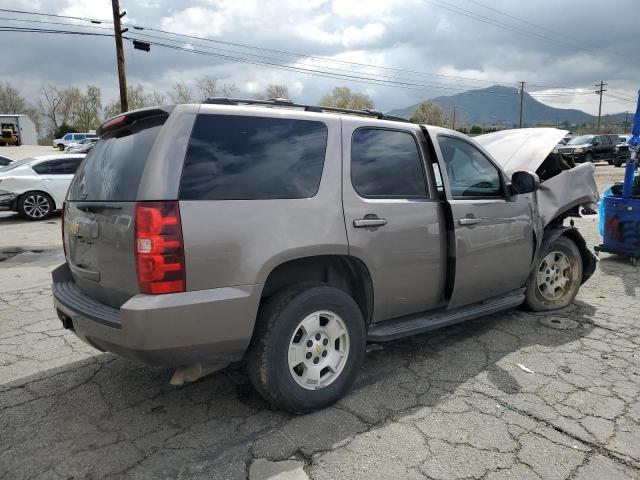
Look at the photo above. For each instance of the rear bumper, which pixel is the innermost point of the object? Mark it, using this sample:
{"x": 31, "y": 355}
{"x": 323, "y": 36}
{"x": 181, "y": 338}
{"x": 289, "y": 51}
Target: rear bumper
{"x": 205, "y": 326}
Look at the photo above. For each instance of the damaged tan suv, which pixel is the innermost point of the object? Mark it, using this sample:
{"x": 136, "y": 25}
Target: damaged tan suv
{"x": 291, "y": 235}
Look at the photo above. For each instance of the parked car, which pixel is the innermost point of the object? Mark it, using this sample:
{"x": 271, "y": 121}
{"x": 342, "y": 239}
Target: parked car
{"x": 75, "y": 147}
{"x": 36, "y": 187}
{"x": 4, "y": 161}
{"x": 591, "y": 148}
{"x": 197, "y": 235}
{"x": 60, "y": 143}
{"x": 623, "y": 153}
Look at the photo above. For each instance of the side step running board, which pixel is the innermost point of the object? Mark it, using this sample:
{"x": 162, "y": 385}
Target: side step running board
{"x": 423, "y": 322}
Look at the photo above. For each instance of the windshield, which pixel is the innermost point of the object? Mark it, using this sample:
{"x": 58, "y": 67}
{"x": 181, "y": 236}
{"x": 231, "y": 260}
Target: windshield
{"x": 16, "y": 164}
{"x": 580, "y": 140}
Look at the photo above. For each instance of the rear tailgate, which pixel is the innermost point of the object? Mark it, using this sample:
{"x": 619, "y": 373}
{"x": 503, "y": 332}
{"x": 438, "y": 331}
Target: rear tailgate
{"x": 100, "y": 211}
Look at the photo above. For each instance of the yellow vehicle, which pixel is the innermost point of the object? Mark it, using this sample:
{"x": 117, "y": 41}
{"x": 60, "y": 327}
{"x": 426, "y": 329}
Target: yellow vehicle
{"x": 9, "y": 136}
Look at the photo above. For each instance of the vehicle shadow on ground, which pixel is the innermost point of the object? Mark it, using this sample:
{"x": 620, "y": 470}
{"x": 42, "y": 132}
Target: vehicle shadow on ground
{"x": 620, "y": 267}
{"x": 108, "y": 415}
{"x": 9, "y": 218}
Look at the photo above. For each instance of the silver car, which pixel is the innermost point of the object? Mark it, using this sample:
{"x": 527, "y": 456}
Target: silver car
{"x": 291, "y": 235}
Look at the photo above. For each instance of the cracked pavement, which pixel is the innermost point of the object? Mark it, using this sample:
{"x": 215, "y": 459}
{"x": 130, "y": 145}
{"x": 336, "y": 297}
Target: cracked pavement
{"x": 514, "y": 395}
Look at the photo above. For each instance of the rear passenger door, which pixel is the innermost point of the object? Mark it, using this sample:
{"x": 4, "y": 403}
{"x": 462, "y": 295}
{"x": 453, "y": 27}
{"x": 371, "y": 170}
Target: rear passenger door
{"x": 393, "y": 217}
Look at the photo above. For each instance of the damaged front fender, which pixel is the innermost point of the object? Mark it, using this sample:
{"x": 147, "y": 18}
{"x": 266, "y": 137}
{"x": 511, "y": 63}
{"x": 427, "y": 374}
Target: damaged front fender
{"x": 567, "y": 190}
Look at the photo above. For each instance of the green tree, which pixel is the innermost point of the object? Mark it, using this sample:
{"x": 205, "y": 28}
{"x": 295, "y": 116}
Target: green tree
{"x": 428, "y": 113}
{"x": 343, "y": 97}
{"x": 87, "y": 114}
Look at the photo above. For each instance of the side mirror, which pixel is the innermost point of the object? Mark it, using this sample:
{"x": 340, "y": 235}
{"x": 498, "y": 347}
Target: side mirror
{"x": 524, "y": 182}
{"x": 596, "y": 143}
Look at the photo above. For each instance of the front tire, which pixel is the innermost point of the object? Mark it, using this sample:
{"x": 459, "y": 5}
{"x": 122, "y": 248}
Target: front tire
{"x": 35, "y": 206}
{"x": 588, "y": 157}
{"x": 61, "y": 147}
{"x": 555, "y": 281}
{"x": 307, "y": 348}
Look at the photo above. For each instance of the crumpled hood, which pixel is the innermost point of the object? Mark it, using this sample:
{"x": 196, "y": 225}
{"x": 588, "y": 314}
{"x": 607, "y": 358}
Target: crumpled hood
{"x": 521, "y": 148}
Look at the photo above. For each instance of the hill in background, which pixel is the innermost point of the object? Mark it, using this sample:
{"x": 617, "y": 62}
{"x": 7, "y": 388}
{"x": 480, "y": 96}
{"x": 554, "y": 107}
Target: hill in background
{"x": 500, "y": 105}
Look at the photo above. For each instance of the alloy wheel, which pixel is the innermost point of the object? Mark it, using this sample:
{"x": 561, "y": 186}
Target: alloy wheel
{"x": 36, "y": 206}
{"x": 318, "y": 350}
{"x": 554, "y": 275}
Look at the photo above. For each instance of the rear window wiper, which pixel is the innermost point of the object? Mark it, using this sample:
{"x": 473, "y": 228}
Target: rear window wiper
{"x": 95, "y": 206}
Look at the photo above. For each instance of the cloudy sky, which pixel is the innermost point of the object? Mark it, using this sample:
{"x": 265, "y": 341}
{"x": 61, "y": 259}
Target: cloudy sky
{"x": 426, "y": 48}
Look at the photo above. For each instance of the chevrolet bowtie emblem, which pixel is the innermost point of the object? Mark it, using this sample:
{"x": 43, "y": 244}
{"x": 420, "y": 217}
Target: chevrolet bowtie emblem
{"x": 318, "y": 349}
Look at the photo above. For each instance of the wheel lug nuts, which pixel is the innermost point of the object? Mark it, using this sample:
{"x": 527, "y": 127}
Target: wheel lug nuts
{"x": 309, "y": 343}
{"x": 318, "y": 337}
{"x": 324, "y": 353}
{"x": 316, "y": 360}
{"x": 325, "y": 341}
{"x": 308, "y": 355}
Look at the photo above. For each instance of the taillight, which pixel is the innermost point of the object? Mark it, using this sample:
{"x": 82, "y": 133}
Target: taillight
{"x": 159, "y": 249}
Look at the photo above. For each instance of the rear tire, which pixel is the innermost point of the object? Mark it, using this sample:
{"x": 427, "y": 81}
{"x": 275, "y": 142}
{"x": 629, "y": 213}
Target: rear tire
{"x": 307, "y": 347}
{"x": 555, "y": 281}
{"x": 35, "y": 206}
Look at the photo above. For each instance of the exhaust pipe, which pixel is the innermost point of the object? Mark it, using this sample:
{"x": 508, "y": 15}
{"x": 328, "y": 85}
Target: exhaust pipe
{"x": 191, "y": 373}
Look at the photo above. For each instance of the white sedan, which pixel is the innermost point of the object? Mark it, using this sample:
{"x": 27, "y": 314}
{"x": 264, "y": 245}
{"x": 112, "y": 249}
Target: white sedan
{"x": 36, "y": 187}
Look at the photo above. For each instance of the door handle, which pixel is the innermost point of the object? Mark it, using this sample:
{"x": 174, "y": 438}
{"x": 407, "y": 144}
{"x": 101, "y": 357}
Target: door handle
{"x": 369, "y": 222}
{"x": 469, "y": 221}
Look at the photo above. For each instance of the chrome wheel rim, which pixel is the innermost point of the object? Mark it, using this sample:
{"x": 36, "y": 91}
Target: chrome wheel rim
{"x": 36, "y": 206}
{"x": 554, "y": 275}
{"x": 318, "y": 350}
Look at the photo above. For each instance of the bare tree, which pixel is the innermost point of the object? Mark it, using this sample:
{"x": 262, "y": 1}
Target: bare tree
{"x": 180, "y": 93}
{"x": 49, "y": 104}
{"x": 10, "y": 99}
{"x": 274, "y": 91}
{"x": 208, "y": 86}
{"x": 228, "y": 89}
{"x": 343, "y": 97}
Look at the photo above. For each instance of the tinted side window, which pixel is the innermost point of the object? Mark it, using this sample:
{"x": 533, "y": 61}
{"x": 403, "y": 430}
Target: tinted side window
{"x": 606, "y": 140}
{"x": 253, "y": 158}
{"x": 470, "y": 173}
{"x": 386, "y": 163}
{"x": 43, "y": 167}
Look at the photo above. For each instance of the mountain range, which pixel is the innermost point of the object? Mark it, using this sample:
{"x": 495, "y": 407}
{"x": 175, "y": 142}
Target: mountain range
{"x": 500, "y": 105}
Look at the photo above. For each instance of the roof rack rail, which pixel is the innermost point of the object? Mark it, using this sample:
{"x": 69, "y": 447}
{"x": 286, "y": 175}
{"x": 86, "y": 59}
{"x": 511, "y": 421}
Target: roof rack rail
{"x": 284, "y": 102}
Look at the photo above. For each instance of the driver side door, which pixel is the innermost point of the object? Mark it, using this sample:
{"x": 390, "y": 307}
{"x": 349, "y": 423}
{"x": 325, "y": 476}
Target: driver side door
{"x": 494, "y": 241}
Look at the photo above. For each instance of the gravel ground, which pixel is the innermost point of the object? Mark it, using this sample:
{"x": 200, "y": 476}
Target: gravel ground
{"x": 456, "y": 403}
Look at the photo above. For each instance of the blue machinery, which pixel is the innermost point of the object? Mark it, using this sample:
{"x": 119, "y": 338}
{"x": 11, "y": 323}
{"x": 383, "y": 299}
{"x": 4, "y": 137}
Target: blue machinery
{"x": 622, "y": 209}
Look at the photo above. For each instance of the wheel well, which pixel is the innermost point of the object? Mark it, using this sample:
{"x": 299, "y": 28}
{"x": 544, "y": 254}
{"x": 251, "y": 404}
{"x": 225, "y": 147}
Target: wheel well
{"x": 341, "y": 271}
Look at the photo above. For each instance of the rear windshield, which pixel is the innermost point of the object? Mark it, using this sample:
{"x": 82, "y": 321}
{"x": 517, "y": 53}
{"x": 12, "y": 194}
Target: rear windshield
{"x": 113, "y": 168}
{"x": 253, "y": 158}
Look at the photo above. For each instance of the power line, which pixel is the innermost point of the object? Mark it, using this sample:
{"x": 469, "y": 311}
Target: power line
{"x": 536, "y": 25}
{"x": 24, "y": 12}
{"x": 496, "y": 23}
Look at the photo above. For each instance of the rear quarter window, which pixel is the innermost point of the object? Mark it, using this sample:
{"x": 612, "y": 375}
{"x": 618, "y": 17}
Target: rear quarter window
{"x": 113, "y": 168}
{"x": 253, "y": 158}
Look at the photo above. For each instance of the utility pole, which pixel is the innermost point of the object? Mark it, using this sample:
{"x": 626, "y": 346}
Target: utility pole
{"x": 626, "y": 122}
{"x": 521, "y": 102}
{"x": 600, "y": 91}
{"x": 117, "y": 29}
{"x": 453, "y": 127}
